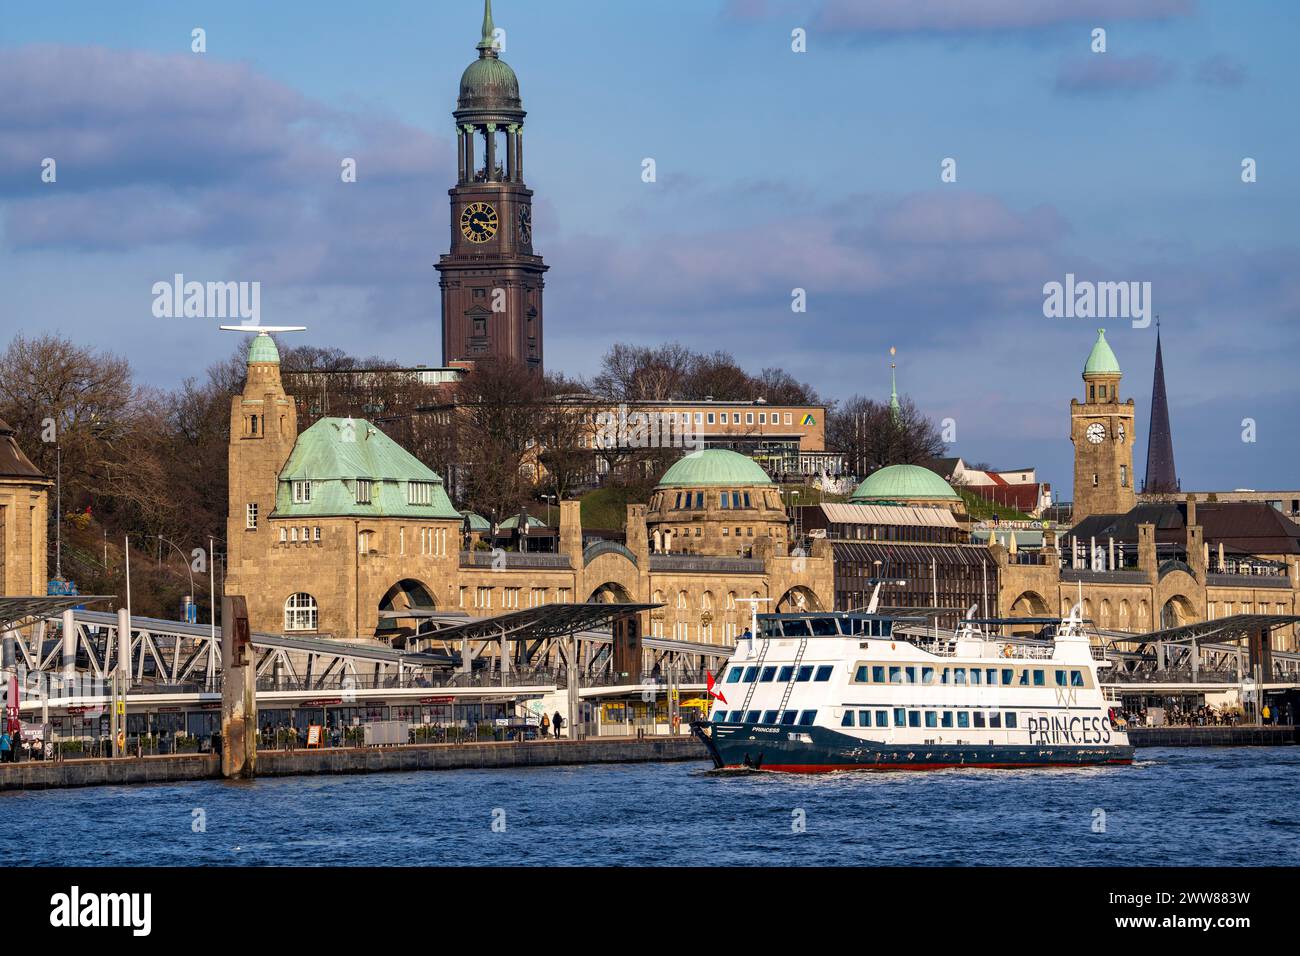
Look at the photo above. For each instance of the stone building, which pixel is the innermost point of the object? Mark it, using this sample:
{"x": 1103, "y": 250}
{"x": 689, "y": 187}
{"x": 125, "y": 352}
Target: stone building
{"x": 1138, "y": 568}
{"x": 24, "y": 513}
{"x": 336, "y": 531}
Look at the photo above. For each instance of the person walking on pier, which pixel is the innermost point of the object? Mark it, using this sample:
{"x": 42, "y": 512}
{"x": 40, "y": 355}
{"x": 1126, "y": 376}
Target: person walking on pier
{"x": 546, "y": 726}
{"x": 557, "y": 723}
{"x": 6, "y": 751}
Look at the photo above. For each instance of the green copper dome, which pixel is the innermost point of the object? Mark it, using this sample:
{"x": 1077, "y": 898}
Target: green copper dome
{"x": 902, "y": 483}
{"x": 714, "y": 466}
{"x": 263, "y": 349}
{"x": 489, "y": 83}
{"x": 1101, "y": 361}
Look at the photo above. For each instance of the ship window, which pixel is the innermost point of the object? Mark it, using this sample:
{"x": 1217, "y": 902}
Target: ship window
{"x": 946, "y": 718}
{"x": 909, "y": 675}
{"x": 824, "y": 672}
{"x": 847, "y": 719}
{"x": 878, "y": 675}
{"x": 882, "y": 718}
{"x": 822, "y": 626}
{"x": 900, "y": 717}
{"x": 768, "y": 674}
{"x": 735, "y": 675}
{"x": 959, "y": 676}
{"x": 1011, "y": 719}
{"x": 750, "y": 673}
{"x": 896, "y": 675}
{"x": 979, "y": 718}
{"x": 887, "y": 628}
{"x": 1008, "y": 676}
{"x": 751, "y": 717}
{"x": 914, "y": 718}
{"x": 1024, "y": 678}
{"x": 963, "y": 718}
{"x": 927, "y": 675}
{"x": 991, "y": 677}
{"x": 931, "y": 718}
{"x": 944, "y": 676}
{"x": 975, "y": 675}
{"x": 789, "y": 716}
{"x": 1076, "y": 678}
{"x": 785, "y": 672}
{"x": 1039, "y": 679}
{"x": 995, "y": 719}
{"x": 807, "y": 717}
{"x": 861, "y": 675}
{"x": 805, "y": 673}
{"x": 1060, "y": 678}
{"x": 864, "y": 718}
{"x": 769, "y": 716}
{"x": 797, "y": 628}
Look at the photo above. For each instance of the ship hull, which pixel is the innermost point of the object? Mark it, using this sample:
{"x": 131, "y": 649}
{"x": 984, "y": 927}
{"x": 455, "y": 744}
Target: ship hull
{"x": 819, "y": 750}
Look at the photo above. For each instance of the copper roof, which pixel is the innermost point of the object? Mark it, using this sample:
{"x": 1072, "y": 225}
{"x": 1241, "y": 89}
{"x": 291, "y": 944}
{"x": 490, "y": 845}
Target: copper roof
{"x": 13, "y": 463}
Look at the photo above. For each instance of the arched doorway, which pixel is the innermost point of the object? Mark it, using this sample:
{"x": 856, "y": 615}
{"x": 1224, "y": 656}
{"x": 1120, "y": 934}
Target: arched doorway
{"x": 1030, "y": 604}
{"x": 1176, "y": 612}
{"x": 407, "y": 594}
{"x": 611, "y": 592}
{"x": 797, "y": 600}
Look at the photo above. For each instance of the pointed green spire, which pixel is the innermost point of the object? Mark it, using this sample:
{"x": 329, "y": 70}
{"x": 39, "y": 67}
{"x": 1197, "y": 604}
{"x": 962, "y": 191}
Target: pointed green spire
{"x": 489, "y": 28}
{"x": 1101, "y": 360}
{"x": 895, "y": 409}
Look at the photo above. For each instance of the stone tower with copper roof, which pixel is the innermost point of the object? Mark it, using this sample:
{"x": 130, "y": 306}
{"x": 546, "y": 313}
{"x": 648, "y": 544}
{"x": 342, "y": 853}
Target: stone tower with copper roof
{"x": 1101, "y": 428}
{"x": 492, "y": 280}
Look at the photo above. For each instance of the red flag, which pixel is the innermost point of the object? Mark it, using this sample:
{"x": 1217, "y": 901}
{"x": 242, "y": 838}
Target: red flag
{"x": 713, "y": 693}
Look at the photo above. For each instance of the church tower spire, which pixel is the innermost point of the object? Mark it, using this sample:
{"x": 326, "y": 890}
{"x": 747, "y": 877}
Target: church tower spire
{"x": 1161, "y": 477}
{"x": 491, "y": 280}
{"x": 895, "y": 409}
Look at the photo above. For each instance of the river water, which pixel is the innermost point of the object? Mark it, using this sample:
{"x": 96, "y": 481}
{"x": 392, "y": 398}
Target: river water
{"x": 1225, "y": 807}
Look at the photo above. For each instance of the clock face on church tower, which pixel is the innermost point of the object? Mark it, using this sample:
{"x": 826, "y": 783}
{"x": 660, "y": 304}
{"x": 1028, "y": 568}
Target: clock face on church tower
{"x": 1096, "y": 433}
{"x": 478, "y": 223}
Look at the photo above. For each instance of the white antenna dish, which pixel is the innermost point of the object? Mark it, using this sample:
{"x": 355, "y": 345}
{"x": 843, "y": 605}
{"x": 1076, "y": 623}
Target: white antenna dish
{"x": 264, "y": 329}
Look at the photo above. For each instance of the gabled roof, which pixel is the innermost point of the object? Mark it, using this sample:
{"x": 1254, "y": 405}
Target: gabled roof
{"x": 334, "y": 453}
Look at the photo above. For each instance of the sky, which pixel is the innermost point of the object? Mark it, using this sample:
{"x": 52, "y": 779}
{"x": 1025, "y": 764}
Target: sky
{"x": 776, "y": 170}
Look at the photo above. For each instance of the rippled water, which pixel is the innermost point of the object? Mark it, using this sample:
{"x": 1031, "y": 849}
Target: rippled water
{"x": 1186, "y": 806}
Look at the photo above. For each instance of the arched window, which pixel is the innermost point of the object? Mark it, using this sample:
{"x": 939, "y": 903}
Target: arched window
{"x": 300, "y": 613}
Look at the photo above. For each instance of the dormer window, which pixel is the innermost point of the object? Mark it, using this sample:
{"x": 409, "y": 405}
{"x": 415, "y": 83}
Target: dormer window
{"x": 363, "y": 491}
{"x": 302, "y": 492}
{"x": 419, "y": 492}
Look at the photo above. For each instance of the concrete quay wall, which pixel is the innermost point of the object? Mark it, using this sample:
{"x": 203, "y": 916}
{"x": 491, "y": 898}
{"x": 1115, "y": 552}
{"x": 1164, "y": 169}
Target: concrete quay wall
{"x": 50, "y": 774}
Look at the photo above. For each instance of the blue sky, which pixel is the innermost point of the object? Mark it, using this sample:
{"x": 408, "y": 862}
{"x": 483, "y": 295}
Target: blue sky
{"x": 776, "y": 170}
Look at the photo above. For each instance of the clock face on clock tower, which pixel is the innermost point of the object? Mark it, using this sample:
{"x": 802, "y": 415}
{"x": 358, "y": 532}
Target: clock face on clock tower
{"x": 491, "y": 279}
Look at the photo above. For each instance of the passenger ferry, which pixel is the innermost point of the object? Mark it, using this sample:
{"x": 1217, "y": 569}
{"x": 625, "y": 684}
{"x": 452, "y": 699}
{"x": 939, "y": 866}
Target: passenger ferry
{"x": 818, "y": 692}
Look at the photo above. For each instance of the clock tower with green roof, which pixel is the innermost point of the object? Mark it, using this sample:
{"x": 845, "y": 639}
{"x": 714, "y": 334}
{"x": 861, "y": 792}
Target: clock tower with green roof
{"x": 1101, "y": 427}
{"x": 491, "y": 280}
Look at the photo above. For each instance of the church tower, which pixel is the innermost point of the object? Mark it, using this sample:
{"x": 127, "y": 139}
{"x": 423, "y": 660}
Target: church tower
{"x": 491, "y": 280}
{"x": 1101, "y": 427}
{"x": 1162, "y": 476}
